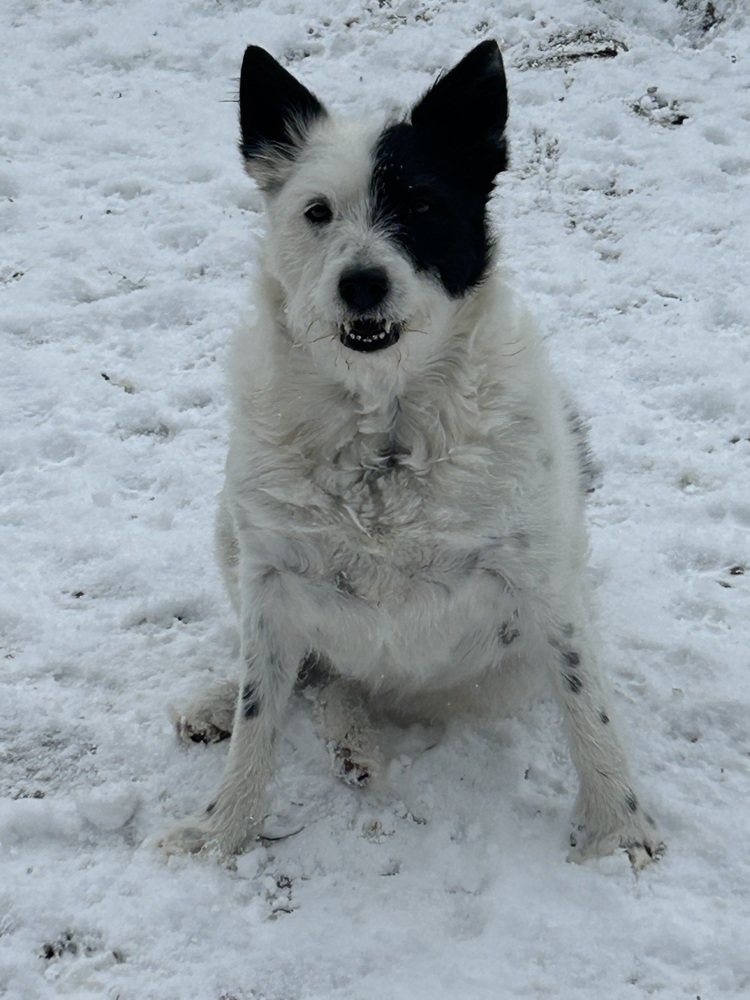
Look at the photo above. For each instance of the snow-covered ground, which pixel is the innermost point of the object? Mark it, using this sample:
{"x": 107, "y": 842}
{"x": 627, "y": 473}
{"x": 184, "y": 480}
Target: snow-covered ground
{"x": 126, "y": 240}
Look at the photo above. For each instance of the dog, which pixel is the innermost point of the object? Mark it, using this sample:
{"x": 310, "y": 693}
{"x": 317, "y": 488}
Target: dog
{"x": 405, "y": 483}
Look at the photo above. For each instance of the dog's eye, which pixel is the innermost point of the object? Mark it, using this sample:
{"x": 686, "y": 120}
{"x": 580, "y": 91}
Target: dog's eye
{"x": 319, "y": 212}
{"x": 421, "y": 207}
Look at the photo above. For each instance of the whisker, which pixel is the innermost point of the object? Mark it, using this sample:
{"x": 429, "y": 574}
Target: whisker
{"x": 514, "y": 354}
{"x": 316, "y": 319}
{"x": 324, "y": 336}
{"x": 315, "y": 340}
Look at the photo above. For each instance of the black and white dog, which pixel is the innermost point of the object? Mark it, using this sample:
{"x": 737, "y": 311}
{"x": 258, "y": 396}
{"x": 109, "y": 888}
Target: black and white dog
{"x": 404, "y": 498}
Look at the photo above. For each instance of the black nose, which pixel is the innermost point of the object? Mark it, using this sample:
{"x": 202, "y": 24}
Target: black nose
{"x": 363, "y": 288}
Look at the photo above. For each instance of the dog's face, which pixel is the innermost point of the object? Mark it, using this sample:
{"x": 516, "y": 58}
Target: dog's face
{"x": 375, "y": 233}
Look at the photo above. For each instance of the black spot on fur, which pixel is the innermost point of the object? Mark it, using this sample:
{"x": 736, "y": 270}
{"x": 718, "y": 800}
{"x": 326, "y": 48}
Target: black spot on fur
{"x": 508, "y": 633}
{"x": 250, "y": 702}
{"x": 343, "y": 584}
{"x": 314, "y": 668}
{"x": 210, "y": 808}
{"x": 573, "y": 679}
{"x": 631, "y": 801}
{"x": 603, "y": 718}
{"x": 383, "y": 464}
{"x": 570, "y": 660}
{"x": 434, "y": 173}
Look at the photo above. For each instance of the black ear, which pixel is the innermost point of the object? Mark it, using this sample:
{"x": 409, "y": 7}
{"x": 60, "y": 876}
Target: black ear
{"x": 275, "y": 112}
{"x": 466, "y": 110}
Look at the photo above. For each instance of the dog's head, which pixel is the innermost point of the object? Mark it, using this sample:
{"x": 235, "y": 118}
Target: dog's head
{"x": 376, "y": 233}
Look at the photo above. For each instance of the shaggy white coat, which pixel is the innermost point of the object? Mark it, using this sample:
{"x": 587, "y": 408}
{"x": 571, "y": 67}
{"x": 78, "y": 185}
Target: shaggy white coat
{"x": 415, "y": 515}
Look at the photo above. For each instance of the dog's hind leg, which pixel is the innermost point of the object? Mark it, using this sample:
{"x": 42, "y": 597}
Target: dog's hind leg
{"x": 349, "y": 733}
{"x": 209, "y": 717}
{"x": 609, "y": 814}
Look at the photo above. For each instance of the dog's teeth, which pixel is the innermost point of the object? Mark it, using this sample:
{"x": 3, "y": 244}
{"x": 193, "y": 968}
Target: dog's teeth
{"x": 347, "y": 326}
{"x": 388, "y": 326}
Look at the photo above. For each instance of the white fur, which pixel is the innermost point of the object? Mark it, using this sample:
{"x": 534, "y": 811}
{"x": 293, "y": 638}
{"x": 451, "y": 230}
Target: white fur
{"x": 412, "y": 579}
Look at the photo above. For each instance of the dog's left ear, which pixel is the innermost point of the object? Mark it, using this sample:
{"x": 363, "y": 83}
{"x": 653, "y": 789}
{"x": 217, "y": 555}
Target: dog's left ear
{"x": 467, "y": 108}
{"x": 276, "y": 112}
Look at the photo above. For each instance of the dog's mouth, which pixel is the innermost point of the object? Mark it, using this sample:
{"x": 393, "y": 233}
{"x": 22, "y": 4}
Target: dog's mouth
{"x": 369, "y": 334}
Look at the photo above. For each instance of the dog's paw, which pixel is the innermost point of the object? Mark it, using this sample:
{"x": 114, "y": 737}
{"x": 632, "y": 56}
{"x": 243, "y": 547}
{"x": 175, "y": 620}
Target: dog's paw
{"x": 638, "y": 837}
{"x": 197, "y": 834}
{"x": 642, "y": 854}
{"x": 190, "y": 836}
{"x": 209, "y": 717}
{"x": 351, "y": 767}
{"x": 198, "y": 730}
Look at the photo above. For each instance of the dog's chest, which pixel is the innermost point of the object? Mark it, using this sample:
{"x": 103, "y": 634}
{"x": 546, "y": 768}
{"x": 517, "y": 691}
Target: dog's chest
{"x": 390, "y": 496}
{"x": 389, "y": 528}
{"x": 379, "y": 495}
{"x": 405, "y": 551}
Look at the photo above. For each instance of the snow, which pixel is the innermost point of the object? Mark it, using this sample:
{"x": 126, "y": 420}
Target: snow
{"x": 128, "y": 237}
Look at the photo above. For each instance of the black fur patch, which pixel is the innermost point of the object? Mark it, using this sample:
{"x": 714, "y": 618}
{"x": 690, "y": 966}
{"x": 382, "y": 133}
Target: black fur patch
{"x": 574, "y": 682}
{"x": 508, "y": 633}
{"x": 439, "y": 221}
{"x": 571, "y": 660}
{"x": 343, "y": 584}
{"x": 434, "y": 173}
{"x": 250, "y": 702}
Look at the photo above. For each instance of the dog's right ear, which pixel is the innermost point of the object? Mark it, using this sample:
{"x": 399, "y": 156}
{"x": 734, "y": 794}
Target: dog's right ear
{"x": 276, "y": 112}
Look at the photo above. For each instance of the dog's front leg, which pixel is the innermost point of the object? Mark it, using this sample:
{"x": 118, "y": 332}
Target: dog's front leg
{"x": 271, "y": 655}
{"x": 609, "y": 813}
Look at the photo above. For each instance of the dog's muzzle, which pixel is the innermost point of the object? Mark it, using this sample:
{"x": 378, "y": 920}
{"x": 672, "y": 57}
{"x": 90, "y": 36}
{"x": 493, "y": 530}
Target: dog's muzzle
{"x": 369, "y": 334}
